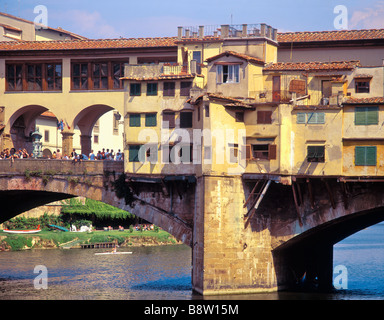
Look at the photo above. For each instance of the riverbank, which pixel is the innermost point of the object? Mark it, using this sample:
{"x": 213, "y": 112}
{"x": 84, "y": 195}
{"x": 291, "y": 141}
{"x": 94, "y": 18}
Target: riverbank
{"x": 47, "y": 239}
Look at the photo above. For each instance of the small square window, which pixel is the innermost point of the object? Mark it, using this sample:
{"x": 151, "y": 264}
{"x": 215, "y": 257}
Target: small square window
{"x": 135, "y": 120}
{"x": 239, "y": 116}
{"x": 169, "y": 89}
{"x": 135, "y": 89}
{"x": 362, "y": 86}
{"x": 316, "y": 153}
{"x": 152, "y": 89}
{"x": 186, "y": 119}
{"x": 150, "y": 120}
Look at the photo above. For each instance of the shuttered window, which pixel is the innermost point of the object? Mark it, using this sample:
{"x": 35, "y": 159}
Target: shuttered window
{"x": 315, "y": 153}
{"x": 150, "y": 120}
{"x": 135, "y": 89}
{"x": 264, "y": 117}
{"x": 311, "y": 118}
{"x": 134, "y": 120}
{"x": 168, "y": 120}
{"x": 301, "y": 117}
{"x": 366, "y": 115}
{"x": 152, "y": 89}
{"x": 186, "y": 119}
{"x": 134, "y": 153}
{"x": 365, "y": 155}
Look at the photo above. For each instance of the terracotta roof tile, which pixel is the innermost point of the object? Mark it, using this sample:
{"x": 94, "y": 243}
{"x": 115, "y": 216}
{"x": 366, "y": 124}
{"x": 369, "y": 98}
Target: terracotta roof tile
{"x": 370, "y": 100}
{"x": 238, "y": 55}
{"x": 337, "y": 35}
{"x": 312, "y": 66}
{"x": 88, "y": 44}
{"x": 160, "y": 77}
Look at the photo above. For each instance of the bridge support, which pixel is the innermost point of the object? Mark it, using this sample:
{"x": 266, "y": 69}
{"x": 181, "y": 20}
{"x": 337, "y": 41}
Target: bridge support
{"x": 229, "y": 256}
{"x": 67, "y": 143}
{"x": 86, "y": 144}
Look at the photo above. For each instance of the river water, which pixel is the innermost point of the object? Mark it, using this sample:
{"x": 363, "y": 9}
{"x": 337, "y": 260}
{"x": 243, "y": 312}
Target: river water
{"x": 164, "y": 273}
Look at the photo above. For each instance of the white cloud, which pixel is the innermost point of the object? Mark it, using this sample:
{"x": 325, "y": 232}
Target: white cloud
{"x": 369, "y": 18}
{"x": 88, "y": 24}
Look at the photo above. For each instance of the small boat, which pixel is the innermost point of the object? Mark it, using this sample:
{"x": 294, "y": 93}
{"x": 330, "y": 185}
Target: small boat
{"x": 102, "y": 253}
{"x": 23, "y": 231}
{"x": 58, "y": 227}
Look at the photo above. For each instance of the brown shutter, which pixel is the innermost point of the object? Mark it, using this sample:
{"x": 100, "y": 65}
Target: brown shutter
{"x": 248, "y": 152}
{"x": 272, "y": 152}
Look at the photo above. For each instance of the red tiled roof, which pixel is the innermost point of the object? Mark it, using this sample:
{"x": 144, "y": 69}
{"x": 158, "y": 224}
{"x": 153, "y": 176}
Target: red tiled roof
{"x": 160, "y": 77}
{"x": 312, "y": 66}
{"x": 370, "y": 100}
{"x": 338, "y": 35}
{"x": 88, "y": 44}
{"x": 238, "y": 55}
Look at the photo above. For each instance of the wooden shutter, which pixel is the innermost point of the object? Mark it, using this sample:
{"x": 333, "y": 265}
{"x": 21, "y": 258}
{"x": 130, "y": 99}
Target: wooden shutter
{"x": 134, "y": 120}
{"x": 170, "y": 118}
{"x": 370, "y": 156}
{"x": 248, "y": 152}
{"x": 272, "y": 152}
{"x": 372, "y": 115}
{"x": 264, "y": 117}
{"x": 150, "y": 120}
{"x": 301, "y": 117}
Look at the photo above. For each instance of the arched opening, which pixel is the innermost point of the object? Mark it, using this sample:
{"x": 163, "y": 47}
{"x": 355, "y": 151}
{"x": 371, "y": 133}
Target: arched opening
{"x": 86, "y": 121}
{"x": 358, "y": 262}
{"x": 306, "y": 261}
{"x": 21, "y": 125}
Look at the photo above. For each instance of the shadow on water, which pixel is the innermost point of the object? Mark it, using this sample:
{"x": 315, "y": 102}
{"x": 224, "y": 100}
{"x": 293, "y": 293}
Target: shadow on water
{"x": 169, "y": 284}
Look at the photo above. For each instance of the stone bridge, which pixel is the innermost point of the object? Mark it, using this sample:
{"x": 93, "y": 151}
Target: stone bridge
{"x": 249, "y": 233}
{"x": 29, "y": 183}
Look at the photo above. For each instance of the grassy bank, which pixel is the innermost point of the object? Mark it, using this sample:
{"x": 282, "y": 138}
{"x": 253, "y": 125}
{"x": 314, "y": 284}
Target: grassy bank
{"x": 55, "y": 239}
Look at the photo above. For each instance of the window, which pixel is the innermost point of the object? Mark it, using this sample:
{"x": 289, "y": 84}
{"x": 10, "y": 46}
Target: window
{"x": 96, "y": 139}
{"x": 186, "y": 153}
{"x": 115, "y": 122}
{"x": 186, "y": 119}
{"x": 152, "y": 89}
{"x": 206, "y": 108}
{"x": 233, "y": 152}
{"x": 261, "y": 152}
{"x": 168, "y": 120}
{"x": 362, "y": 86}
{"x": 196, "y": 55}
{"x": 311, "y": 118}
{"x": 150, "y": 120}
{"x": 134, "y": 120}
{"x": 315, "y": 153}
{"x": 134, "y": 153}
{"x": 239, "y": 116}
{"x": 135, "y": 89}
{"x": 80, "y": 76}
{"x": 366, "y": 115}
{"x": 100, "y": 76}
{"x": 169, "y": 89}
{"x": 14, "y": 77}
{"x": 34, "y": 77}
{"x": 185, "y": 88}
{"x": 228, "y": 73}
{"x": 264, "y": 117}
{"x": 46, "y": 135}
{"x": 365, "y": 156}
{"x": 151, "y": 153}
{"x": 117, "y": 73}
{"x": 103, "y": 75}
{"x": 54, "y": 77}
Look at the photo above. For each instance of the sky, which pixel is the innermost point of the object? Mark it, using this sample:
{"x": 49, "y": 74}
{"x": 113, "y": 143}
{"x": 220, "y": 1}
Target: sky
{"x": 160, "y": 18}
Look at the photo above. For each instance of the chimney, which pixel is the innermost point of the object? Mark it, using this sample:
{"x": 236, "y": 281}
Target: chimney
{"x": 179, "y": 32}
{"x": 262, "y": 29}
{"x": 274, "y": 34}
{"x": 201, "y": 32}
{"x": 224, "y": 31}
{"x": 245, "y": 30}
{"x": 187, "y": 33}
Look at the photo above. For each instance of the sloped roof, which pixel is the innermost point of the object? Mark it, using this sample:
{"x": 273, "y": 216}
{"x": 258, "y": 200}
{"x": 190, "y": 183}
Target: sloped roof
{"x": 336, "y": 35}
{"x": 238, "y": 55}
{"x": 312, "y": 66}
{"x": 87, "y": 44}
{"x": 370, "y": 100}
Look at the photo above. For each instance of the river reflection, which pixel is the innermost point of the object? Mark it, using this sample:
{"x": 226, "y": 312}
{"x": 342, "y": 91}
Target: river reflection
{"x": 155, "y": 273}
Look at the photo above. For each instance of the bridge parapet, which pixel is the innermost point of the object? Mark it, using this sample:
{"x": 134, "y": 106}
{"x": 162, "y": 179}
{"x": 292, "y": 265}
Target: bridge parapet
{"x": 60, "y": 166}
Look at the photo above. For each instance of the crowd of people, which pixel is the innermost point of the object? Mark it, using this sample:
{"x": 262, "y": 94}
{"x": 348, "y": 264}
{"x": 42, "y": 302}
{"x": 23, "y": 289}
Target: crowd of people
{"x": 15, "y": 154}
{"x": 100, "y": 155}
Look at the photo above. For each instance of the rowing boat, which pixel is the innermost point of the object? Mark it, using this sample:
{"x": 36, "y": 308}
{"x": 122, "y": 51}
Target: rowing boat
{"x": 23, "y": 231}
{"x": 102, "y": 253}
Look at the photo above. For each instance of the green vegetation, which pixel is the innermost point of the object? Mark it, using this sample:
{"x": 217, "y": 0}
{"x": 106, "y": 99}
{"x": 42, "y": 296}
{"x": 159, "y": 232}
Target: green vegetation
{"x": 53, "y": 239}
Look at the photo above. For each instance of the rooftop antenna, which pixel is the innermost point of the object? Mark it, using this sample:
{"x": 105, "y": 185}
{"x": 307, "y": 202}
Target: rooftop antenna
{"x": 231, "y": 18}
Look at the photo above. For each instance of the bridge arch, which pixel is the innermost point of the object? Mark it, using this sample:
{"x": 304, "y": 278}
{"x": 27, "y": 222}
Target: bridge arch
{"x": 62, "y": 179}
{"x": 85, "y": 120}
{"x": 309, "y": 255}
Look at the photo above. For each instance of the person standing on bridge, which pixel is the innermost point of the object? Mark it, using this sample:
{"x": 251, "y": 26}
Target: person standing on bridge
{"x": 58, "y": 154}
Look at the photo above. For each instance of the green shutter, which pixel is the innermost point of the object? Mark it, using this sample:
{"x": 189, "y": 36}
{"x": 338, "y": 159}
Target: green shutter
{"x": 372, "y": 115}
{"x": 151, "y": 89}
{"x": 316, "y": 117}
{"x": 301, "y": 117}
{"x": 134, "y": 153}
{"x": 150, "y": 120}
{"x": 366, "y": 115}
{"x": 321, "y": 117}
{"x": 371, "y": 156}
{"x": 365, "y": 156}
{"x": 134, "y": 120}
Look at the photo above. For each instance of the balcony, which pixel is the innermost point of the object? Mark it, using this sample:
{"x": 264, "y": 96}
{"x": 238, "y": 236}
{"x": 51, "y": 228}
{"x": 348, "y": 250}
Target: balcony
{"x": 155, "y": 71}
{"x": 269, "y": 96}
